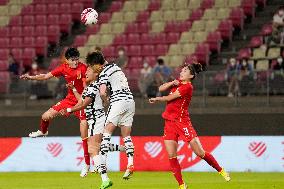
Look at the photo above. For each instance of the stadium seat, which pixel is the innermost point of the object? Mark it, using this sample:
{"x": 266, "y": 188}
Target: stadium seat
{"x": 151, "y": 60}
{"x": 156, "y": 16}
{"x": 146, "y": 38}
{"x": 106, "y": 39}
{"x": 16, "y": 42}
{"x": 4, "y": 42}
{"x": 198, "y": 25}
{"x": 237, "y": 17}
{"x": 159, "y": 38}
{"x": 211, "y": 25}
{"x": 266, "y": 30}
{"x": 194, "y": 4}
{"x": 141, "y": 5}
{"x": 188, "y": 49}
{"x": 105, "y": 28}
{"x": 109, "y": 51}
{"x": 40, "y": 31}
{"x": 128, "y": 6}
{"x": 15, "y": 21}
{"x": 161, "y": 49}
{"x": 118, "y": 28}
{"x": 147, "y": 50}
{"x": 76, "y": 10}
{"x": 249, "y": 7}
{"x": 186, "y": 37}
{"x": 17, "y": 53}
{"x": 28, "y": 31}
{"x": 117, "y": 17}
{"x": 115, "y": 6}
{"x": 80, "y": 40}
{"x": 119, "y": 40}
{"x": 181, "y": 4}
{"x": 4, "y": 65}
{"x": 64, "y": 8}
{"x": 143, "y": 16}
{"x": 64, "y": 22}
{"x": 41, "y": 44}
{"x": 214, "y": 40}
{"x": 4, "y": 54}
{"x": 183, "y": 26}
{"x": 52, "y": 19}
{"x": 92, "y": 29}
{"x": 40, "y": 9}
{"x": 134, "y": 50}
{"x": 15, "y": 31}
{"x": 28, "y": 55}
{"x": 14, "y": 10}
{"x": 209, "y": 14}
{"x": 53, "y": 32}
{"x": 226, "y": 29}
{"x": 223, "y": 13}
{"x": 4, "y": 32}
{"x": 104, "y": 17}
{"x": 129, "y": 16}
{"x": 262, "y": 65}
{"x": 256, "y": 41}
{"x": 244, "y": 53}
{"x": 131, "y": 28}
{"x": 28, "y": 20}
{"x": 174, "y": 49}
{"x": 158, "y": 27}
{"x": 202, "y": 53}
{"x": 154, "y": 5}
{"x": 274, "y": 53}
{"x": 28, "y": 42}
{"x": 221, "y": 3}
{"x": 143, "y": 27}
{"x": 172, "y": 37}
{"x": 171, "y": 27}
{"x": 234, "y": 3}
{"x": 182, "y": 15}
{"x": 133, "y": 38}
{"x": 176, "y": 60}
{"x": 206, "y": 4}
{"x": 169, "y": 15}
{"x": 196, "y": 14}
{"x": 258, "y": 53}
{"x": 4, "y": 20}
{"x": 3, "y": 11}
{"x": 200, "y": 37}
{"x": 40, "y": 20}
{"x": 167, "y": 5}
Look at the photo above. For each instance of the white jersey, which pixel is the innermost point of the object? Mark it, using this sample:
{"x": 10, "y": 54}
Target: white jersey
{"x": 95, "y": 109}
{"x": 116, "y": 81}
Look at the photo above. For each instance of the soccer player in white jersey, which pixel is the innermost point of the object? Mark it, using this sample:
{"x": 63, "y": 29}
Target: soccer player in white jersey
{"x": 95, "y": 115}
{"x": 121, "y": 109}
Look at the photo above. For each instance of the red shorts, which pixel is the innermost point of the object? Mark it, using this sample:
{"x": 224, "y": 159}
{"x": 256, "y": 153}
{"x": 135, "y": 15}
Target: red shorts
{"x": 66, "y": 103}
{"x": 174, "y": 129}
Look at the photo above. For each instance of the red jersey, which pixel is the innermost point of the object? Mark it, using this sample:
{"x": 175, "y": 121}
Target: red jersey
{"x": 76, "y": 76}
{"x": 177, "y": 109}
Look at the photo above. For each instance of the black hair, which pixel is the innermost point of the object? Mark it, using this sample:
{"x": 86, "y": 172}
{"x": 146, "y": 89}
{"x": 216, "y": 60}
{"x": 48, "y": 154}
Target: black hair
{"x": 72, "y": 53}
{"x": 195, "y": 69}
{"x": 95, "y": 58}
{"x": 160, "y": 61}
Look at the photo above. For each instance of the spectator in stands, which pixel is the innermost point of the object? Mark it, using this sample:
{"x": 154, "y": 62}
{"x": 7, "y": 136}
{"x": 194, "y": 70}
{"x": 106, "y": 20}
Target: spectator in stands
{"x": 37, "y": 89}
{"x": 122, "y": 59}
{"x": 14, "y": 66}
{"x": 279, "y": 66}
{"x": 278, "y": 27}
{"x": 145, "y": 78}
{"x": 232, "y": 77}
{"x": 162, "y": 73}
{"x": 245, "y": 69}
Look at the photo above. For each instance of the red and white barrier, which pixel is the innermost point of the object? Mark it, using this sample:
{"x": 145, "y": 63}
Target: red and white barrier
{"x": 235, "y": 153}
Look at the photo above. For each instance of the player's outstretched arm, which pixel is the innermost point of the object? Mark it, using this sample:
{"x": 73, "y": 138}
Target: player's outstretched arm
{"x": 103, "y": 93}
{"x": 40, "y": 77}
{"x": 168, "y": 85}
{"x": 75, "y": 92}
{"x": 82, "y": 104}
{"x": 170, "y": 97}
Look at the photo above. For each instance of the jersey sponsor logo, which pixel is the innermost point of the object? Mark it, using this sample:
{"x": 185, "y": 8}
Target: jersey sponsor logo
{"x": 257, "y": 148}
{"x": 54, "y": 149}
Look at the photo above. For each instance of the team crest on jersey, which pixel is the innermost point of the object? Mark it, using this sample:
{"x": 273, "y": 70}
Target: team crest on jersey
{"x": 79, "y": 75}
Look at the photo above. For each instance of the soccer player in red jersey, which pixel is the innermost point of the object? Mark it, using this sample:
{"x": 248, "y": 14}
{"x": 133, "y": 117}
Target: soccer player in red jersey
{"x": 178, "y": 124}
{"x": 74, "y": 72}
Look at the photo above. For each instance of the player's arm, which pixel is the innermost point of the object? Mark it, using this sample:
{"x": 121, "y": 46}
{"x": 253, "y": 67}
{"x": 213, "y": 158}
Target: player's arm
{"x": 168, "y": 85}
{"x": 103, "y": 92}
{"x": 75, "y": 92}
{"x": 39, "y": 77}
{"x": 82, "y": 104}
{"x": 167, "y": 98}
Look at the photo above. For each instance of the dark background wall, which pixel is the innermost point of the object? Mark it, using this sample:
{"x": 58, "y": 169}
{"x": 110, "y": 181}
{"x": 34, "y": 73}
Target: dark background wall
{"x": 205, "y": 124}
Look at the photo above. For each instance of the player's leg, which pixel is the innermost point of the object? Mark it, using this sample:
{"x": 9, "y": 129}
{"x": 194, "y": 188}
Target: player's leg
{"x": 199, "y": 151}
{"x": 44, "y": 123}
{"x": 129, "y": 149}
{"x": 84, "y": 137}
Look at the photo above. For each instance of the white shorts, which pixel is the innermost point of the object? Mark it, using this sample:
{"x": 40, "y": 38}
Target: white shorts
{"x": 121, "y": 113}
{"x": 96, "y": 126}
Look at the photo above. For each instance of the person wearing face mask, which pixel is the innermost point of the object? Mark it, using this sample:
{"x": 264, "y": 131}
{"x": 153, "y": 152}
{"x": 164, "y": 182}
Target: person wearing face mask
{"x": 122, "y": 59}
{"x": 232, "y": 76}
{"x": 36, "y": 88}
{"x": 278, "y": 26}
{"x": 145, "y": 78}
{"x": 162, "y": 73}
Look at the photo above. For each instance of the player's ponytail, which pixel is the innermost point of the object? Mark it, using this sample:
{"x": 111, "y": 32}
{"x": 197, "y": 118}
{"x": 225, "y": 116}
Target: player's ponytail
{"x": 195, "y": 69}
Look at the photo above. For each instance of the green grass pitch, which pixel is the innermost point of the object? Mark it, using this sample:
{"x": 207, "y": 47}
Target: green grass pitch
{"x": 140, "y": 180}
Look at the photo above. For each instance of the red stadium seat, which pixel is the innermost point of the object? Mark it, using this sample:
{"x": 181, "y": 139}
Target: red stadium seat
{"x": 40, "y": 9}
{"x": 133, "y": 38}
{"x": 40, "y": 31}
{"x": 27, "y": 10}
{"x": 15, "y": 31}
{"x": 120, "y": 40}
{"x": 143, "y": 27}
{"x": 28, "y": 31}
{"x": 214, "y": 40}
{"x": 4, "y": 54}
{"x": 131, "y": 28}
{"x": 92, "y": 29}
{"x": 52, "y": 8}
{"x": 40, "y": 20}
{"x": 266, "y": 30}
{"x": 206, "y": 4}
{"x": 183, "y": 26}
{"x": 4, "y": 32}
{"x": 16, "y": 42}
{"x": 28, "y": 55}
{"x": 249, "y": 7}
{"x": 134, "y": 50}
{"x": 15, "y": 21}
{"x": 28, "y": 20}
{"x": 154, "y": 5}
{"x": 4, "y": 65}
{"x": 261, "y": 3}
{"x": 172, "y": 37}
{"x": 202, "y": 53}
{"x": 4, "y": 42}
{"x": 256, "y": 41}
{"x": 196, "y": 15}
{"x": 109, "y": 51}
{"x": 115, "y": 6}
{"x": 64, "y": 22}
{"x": 53, "y": 33}
{"x": 104, "y": 17}
{"x": 28, "y": 42}
{"x": 52, "y": 20}
{"x": 135, "y": 62}
{"x": 146, "y": 38}
{"x": 64, "y": 8}
{"x": 151, "y": 60}
{"x": 171, "y": 27}
{"x": 226, "y": 29}
{"x": 41, "y": 45}
{"x": 161, "y": 49}
{"x": 3, "y": 2}
{"x": 80, "y": 40}
{"x": 17, "y": 53}
{"x": 54, "y": 63}
{"x": 143, "y": 16}
{"x": 244, "y": 53}
{"x": 160, "y": 38}
{"x": 76, "y": 10}
{"x": 147, "y": 50}
{"x": 237, "y": 17}
{"x": 41, "y": 1}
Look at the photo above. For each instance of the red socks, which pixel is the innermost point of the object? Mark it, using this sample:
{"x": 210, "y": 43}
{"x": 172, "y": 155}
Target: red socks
{"x": 44, "y": 126}
{"x": 86, "y": 153}
{"x": 212, "y": 161}
{"x": 176, "y": 170}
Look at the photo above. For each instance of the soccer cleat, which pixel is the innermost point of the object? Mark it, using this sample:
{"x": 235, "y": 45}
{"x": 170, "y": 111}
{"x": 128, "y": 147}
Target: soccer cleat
{"x": 85, "y": 171}
{"x": 225, "y": 175}
{"x": 106, "y": 184}
{"x": 93, "y": 169}
{"x": 128, "y": 172}
{"x": 183, "y": 186}
{"x": 38, "y": 134}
